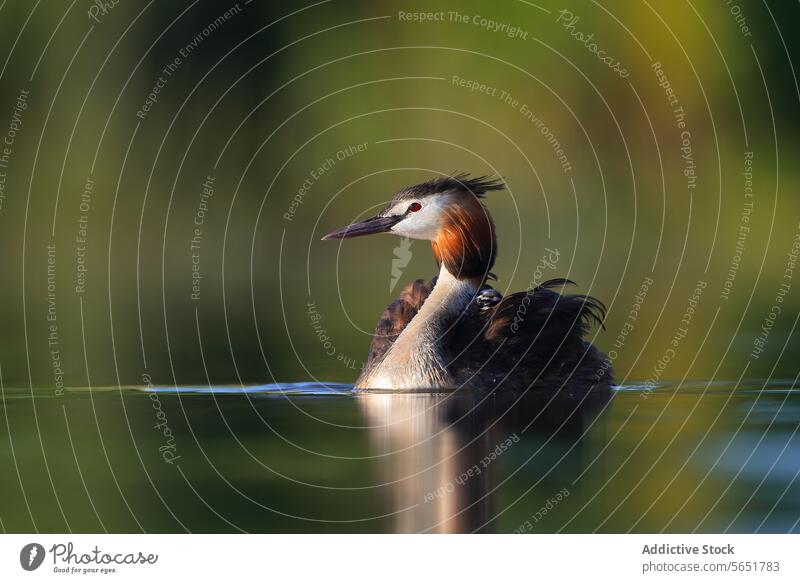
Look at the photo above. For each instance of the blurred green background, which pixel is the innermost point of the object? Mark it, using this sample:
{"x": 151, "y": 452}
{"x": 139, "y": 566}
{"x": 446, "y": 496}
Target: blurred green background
{"x": 266, "y": 96}
{"x": 260, "y": 95}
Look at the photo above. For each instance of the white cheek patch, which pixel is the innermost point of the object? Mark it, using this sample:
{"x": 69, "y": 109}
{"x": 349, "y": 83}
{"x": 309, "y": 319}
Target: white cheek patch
{"x": 423, "y": 224}
{"x": 417, "y": 227}
{"x": 399, "y": 208}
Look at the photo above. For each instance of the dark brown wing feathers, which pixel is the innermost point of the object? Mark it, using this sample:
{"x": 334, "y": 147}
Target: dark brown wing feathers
{"x": 541, "y": 309}
{"x": 396, "y": 317}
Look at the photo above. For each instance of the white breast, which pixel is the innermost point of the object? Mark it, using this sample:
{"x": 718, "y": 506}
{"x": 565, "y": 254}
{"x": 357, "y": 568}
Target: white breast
{"x": 416, "y": 359}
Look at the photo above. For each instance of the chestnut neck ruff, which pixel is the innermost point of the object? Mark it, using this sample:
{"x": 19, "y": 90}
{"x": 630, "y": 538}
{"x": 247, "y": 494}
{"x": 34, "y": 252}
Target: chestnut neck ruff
{"x": 466, "y": 244}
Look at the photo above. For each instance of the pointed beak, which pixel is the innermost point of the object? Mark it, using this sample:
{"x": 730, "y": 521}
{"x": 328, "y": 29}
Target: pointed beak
{"x": 368, "y": 227}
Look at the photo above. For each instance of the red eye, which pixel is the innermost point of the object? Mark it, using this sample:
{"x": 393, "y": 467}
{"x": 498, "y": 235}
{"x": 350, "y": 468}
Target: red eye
{"x": 414, "y": 207}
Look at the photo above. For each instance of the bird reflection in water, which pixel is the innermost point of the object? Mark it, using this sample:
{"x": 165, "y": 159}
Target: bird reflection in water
{"x": 442, "y": 455}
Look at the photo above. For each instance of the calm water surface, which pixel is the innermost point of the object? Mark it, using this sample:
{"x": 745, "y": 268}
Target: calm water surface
{"x": 706, "y": 457}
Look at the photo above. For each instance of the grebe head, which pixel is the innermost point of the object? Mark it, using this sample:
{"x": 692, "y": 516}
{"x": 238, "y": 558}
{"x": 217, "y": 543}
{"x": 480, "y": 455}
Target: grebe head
{"x": 446, "y": 211}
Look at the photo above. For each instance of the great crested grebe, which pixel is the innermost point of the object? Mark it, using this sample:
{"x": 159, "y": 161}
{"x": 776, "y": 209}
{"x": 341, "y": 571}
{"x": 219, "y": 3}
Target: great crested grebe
{"x": 457, "y": 331}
